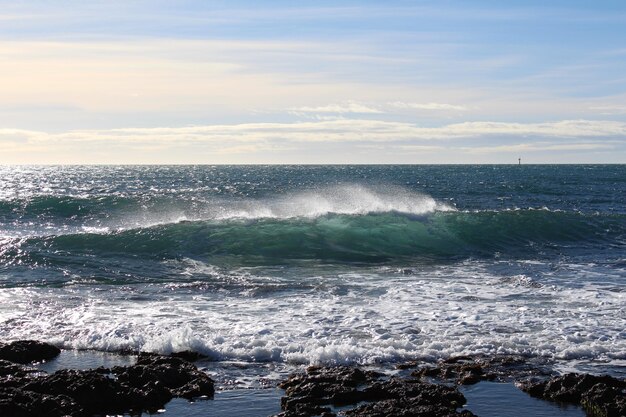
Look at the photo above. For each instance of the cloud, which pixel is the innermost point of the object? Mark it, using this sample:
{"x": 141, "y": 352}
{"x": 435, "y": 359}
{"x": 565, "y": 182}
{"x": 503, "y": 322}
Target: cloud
{"x": 344, "y": 108}
{"x": 8, "y": 17}
{"x": 354, "y": 107}
{"x": 339, "y": 141}
{"x": 427, "y": 106}
{"x": 542, "y": 147}
{"x": 565, "y": 128}
{"x": 343, "y": 130}
{"x": 609, "y": 110}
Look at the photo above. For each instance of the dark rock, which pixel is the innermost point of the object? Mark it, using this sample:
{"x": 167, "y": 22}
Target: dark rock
{"x": 425, "y": 393}
{"x": 16, "y": 402}
{"x": 13, "y": 375}
{"x": 90, "y": 389}
{"x": 466, "y": 370}
{"x": 308, "y": 394}
{"x": 188, "y": 355}
{"x": 11, "y": 369}
{"x": 146, "y": 386}
{"x": 601, "y": 396}
{"x": 27, "y": 351}
{"x": 404, "y": 408}
{"x": 602, "y": 400}
{"x": 182, "y": 378}
{"x": 306, "y": 410}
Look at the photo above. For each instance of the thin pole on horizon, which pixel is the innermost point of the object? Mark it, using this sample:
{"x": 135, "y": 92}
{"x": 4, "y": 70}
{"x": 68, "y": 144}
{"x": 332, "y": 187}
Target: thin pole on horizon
{"x": 519, "y": 161}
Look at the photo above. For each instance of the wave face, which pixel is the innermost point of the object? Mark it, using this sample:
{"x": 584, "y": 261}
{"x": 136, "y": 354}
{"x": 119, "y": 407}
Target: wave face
{"x": 336, "y": 238}
{"x": 316, "y": 264}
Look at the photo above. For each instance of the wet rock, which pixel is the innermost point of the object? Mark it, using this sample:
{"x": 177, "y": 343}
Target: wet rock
{"x": 601, "y": 396}
{"x": 13, "y": 375}
{"x": 410, "y": 397}
{"x": 90, "y": 389}
{"x": 410, "y": 407}
{"x": 319, "y": 386}
{"x": 339, "y": 376}
{"x": 145, "y": 386}
{"x": 27, "y": 351}
{"x": 188, "y": 355}
{"x": 180, "y": 377}
{"x": 602, "y": 400}
{"x": 306, "y": 410}
{"x": 467, "y": 370}
{"x": 16, "y": 402}
{"x": 369, "y": 392}
{"x": 11, "y": 369}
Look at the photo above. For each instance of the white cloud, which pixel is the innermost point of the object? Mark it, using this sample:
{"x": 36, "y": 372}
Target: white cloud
{"x": 340, "y": 141}
{"x": 427, "y": 106}
{"x": 343, "y": 108}
{"x": 343, "y": 130}
{"x": 542, "y": 147}
{"x": 565, "y": 128}
{"x": 330, "y": 111}
{"x": 609, "y": 109}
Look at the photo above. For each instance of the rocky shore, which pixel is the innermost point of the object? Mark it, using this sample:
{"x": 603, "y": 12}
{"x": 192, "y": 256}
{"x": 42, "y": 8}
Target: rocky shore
{"x": 432, "y": 390}
{"x": 414, "y": 389}
{"x": 146, "y": 386}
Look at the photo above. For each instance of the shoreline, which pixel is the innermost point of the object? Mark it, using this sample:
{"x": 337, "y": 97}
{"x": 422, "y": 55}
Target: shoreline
{"x": 37, "y": 375}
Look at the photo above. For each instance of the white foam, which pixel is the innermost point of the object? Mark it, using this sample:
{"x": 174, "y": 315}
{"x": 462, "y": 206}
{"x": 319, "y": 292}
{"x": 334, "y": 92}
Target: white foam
{"x": 341, "y": 199}
{"x": 367, "y": 316}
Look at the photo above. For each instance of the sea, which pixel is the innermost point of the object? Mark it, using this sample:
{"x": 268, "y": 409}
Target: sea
{"x": 265, "y": 269}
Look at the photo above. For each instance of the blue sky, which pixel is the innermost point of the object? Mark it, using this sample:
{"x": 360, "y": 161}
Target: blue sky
{"x": 312, "y": 82}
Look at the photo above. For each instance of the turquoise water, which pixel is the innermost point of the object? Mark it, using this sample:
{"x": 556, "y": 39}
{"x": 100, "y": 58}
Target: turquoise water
{"x": 293, "y": 265}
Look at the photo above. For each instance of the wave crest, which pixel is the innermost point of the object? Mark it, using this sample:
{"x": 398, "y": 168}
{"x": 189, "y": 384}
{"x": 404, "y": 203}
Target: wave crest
{"x": 341, "y": 199}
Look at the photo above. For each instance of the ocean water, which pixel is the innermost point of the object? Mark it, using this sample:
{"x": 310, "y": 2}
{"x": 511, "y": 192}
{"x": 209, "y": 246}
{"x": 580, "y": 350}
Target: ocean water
{"x": 283, "y": 266}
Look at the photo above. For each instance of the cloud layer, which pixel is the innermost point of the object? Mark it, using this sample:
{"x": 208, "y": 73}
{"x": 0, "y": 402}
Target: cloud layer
{"x": 366, "y": 137}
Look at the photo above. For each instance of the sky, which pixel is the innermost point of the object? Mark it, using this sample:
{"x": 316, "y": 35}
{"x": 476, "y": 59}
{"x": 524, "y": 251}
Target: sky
{"x": 230, "y": 82}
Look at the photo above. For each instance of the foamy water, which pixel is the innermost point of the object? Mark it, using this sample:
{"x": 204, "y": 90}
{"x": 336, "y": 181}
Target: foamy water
{"x": 372, "y": 317}
{"x": 321, "y": 265}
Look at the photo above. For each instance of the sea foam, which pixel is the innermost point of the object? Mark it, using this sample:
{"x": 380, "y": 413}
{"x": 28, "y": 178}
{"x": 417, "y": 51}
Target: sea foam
{"x": 369, "y": 318}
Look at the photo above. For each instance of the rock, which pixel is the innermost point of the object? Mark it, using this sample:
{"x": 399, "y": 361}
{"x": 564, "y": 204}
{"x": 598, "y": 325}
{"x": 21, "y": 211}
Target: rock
{"x": 16, "y": 402}
{"x": 466, "y": 370}
{"x": 311, "y": 393}
{"x": 10, "y": 369}
{"x": 396, "y": 388}
{"x": 188, "y": 355}
{"x": 13, "y": 375}
{"x": 146, "y": 386}
{"x": 601, "y": 396}
{"x": 182, "y": 378}
{"x": 90, "y": 389}
{"x": 404, "y": 408}
{"x": 27, "y": 351}
{"x": 602, "y": 400}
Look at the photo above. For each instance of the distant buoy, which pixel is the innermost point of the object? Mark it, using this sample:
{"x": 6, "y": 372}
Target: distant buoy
{"x": 519, "y": 161}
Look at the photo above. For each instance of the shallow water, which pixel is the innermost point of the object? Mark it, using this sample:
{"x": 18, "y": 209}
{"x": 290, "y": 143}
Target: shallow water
{"x": 76, "y": 359}
{"x": 491, "y": 399}
{"x": 242, "y": 403}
